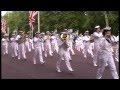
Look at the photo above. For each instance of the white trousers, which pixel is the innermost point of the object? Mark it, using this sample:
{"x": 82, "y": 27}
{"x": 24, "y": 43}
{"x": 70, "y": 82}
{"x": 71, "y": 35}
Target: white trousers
{"x": 42, "y": 46}
{"x": 88, "y": 49}
{"x": 92, "y": 45}
{"x": 14, "y": 49}
{"x": 66, "y": 59}
{"x": 31, "y": 46}
{"x": 95, "y": 53}
{"x": 27, "y": 46}
{"x": 71, "y": 48}
{"x": 38, "y": 51}
{"x": 69, "y": 57}
{"x": 48, "y": 49}
{"x": 5, "y": 49}
{"x": 54, "y": 47}
{"x": 21, "y": 51}
{"x": 17, "y": 45}
{"x": 117, "y": 53}
{"x": 102, "y": 64}
{"x": 76, "y": 44}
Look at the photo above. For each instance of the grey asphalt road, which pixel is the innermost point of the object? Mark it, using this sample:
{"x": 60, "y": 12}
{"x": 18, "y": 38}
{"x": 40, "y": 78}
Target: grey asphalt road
{"x": 12, "y": 68}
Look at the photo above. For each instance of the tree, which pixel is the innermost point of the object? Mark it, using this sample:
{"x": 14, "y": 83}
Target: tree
{"x": 60, "y": 20}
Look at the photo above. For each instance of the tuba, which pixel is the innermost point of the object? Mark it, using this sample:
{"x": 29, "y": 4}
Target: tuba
{"x": 64, "y": 39}
{"x": 63, "y": 36}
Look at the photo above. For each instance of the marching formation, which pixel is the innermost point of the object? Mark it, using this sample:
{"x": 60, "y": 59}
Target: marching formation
{"x": 99, "y": 45}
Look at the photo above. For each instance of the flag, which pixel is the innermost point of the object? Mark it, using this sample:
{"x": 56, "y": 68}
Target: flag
{"x": 3, "y": 25}
{"x": 32, "y": 14}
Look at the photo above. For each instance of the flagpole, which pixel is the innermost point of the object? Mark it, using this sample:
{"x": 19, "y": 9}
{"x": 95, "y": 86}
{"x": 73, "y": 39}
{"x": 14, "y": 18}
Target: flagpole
{"x": 38, "y": 21}
{"x": 106, "y": 19}
{"x": 32, "y": 33}
{"x": 8, "y": 25}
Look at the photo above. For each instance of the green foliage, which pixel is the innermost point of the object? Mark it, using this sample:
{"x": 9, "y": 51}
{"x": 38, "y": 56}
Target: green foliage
{"x": 51, "y": 20}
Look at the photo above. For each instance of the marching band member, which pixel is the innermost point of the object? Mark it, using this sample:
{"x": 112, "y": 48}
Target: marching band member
{"x": 63, "y": 53}
{"x": 75, "y": 35}
{"x": 27, "y": 43}
{"x": 113, "y": 38}
{"x": 117, "y": 49}
{"x": 105, "y": 55}
{"x": 54, "y": 44}
{"x": 47, "y": 44}
{"x": 62, "y": 35}
{"x": 70, "y": 42}
{"x": 92, "y": 41}
{"x": 42, "y": 38}
{"x": 13, "y": 46}
{"x": 97, "y": 37}
{"x": 5, "y": 43}
{"x": 37, "y": 48}
{"x": 16, "y": 43}
{"x": 76, "y": 44}
{"x": 21, "y": 45}
{"x": 31, "y": 43}
{"x": 79, "y": 43}
{"x": 87, "y": 45}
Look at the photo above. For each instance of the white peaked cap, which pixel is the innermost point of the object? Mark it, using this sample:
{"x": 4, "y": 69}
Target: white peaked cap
{"x": 47, "y": 32}
{"x": 65, "y": 29}
{"x": 37, "y": 33}
{"x": 86, "y": 31}
{"x": 97, "y": 26}
{"x": 107, "y": 28}
{"x": 63, "y": 32}
{"x": 42, "y": 33}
